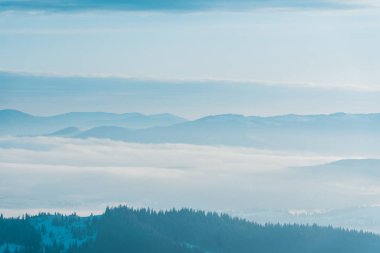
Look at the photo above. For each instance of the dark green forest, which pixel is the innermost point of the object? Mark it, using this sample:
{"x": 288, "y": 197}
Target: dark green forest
{"x": 123, "y": 229}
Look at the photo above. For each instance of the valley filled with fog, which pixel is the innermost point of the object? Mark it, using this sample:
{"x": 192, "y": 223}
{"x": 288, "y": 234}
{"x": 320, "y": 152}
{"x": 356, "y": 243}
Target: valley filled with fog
{"x": 86, "y": 175}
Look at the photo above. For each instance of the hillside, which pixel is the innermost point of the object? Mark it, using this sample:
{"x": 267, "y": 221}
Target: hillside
{"x": 124, "y": 229}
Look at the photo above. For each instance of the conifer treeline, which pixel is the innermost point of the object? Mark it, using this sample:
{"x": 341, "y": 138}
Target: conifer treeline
{"x": 124, "y": 229}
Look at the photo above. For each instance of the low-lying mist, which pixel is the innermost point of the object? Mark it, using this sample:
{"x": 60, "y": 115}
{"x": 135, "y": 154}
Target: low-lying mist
{"x": 49, "y": 173}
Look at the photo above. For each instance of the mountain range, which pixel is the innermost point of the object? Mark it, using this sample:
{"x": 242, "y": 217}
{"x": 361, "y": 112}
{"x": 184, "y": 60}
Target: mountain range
{"x": 339, "y": 132}
{"x": 15, "y": 122}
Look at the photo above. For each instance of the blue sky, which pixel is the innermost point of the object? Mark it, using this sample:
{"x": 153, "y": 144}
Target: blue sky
{"x": 168, "y": 5}
{"x": 329, "y": 45}
{"x": 47, "y": 95}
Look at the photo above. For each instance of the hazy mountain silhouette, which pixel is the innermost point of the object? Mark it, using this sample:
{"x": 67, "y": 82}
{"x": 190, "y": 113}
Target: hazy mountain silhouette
{"x": 343, "y": 169}
{"x": 14, "y": 122}
{"x": 347, "y": 133}
{"x": 323, "y": 133}
{"x": 66, "y": 132}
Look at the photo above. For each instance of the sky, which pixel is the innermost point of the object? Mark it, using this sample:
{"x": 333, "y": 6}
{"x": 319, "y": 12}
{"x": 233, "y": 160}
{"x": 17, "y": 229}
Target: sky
{"x": 317, "y": 43}
{"x": 210, "y": 57}
{"x": 192, "y": 59}
{"x": 50, "y": 95}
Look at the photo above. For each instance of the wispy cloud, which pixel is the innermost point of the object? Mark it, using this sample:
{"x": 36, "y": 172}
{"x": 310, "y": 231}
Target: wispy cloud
{"x": 190, "y": 98}
{"x": 94, "y": 153}
{"x": 168, "y": 5}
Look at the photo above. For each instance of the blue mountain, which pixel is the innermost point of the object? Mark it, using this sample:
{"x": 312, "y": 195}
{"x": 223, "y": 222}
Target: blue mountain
{"x": 339, "y": 132}
{"x": 14, "y": 122}
{"x": 324, "y": 133}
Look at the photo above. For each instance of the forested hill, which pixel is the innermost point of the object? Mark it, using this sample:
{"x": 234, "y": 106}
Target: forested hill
{"x": 124, "y": 229}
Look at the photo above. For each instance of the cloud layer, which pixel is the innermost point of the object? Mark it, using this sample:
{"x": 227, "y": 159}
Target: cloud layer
{"x": 190, "y": 99}
{"x": 165, "y": 5}
{"x": 44, "y": 173}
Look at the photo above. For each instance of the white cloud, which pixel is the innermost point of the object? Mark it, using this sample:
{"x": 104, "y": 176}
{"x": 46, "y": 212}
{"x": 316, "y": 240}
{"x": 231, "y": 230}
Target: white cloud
{"x": 107, "y": 153}
{"x": 71, "y": 174}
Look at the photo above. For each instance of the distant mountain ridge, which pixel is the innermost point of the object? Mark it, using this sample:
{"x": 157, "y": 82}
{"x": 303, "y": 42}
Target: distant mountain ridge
{"x": 350, "y": 133}
{"x": 322, "y": 133}
{"x": 13, "y": 122}
{"x": 354, "y": 168}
